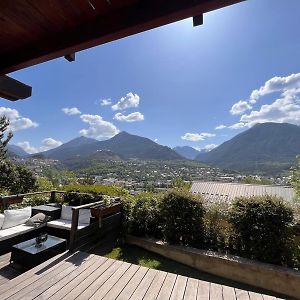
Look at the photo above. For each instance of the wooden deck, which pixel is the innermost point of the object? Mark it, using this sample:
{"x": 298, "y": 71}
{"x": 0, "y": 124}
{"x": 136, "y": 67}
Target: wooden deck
{"x": 6, "y": 271}
{"x": 87, "y": 276}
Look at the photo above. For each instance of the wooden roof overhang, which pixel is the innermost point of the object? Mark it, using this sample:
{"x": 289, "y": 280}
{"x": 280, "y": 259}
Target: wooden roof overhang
{"x": 35, "y": 31}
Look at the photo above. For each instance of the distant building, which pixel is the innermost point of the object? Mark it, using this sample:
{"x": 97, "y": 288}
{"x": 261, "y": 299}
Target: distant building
{"x": 211, "y": 190}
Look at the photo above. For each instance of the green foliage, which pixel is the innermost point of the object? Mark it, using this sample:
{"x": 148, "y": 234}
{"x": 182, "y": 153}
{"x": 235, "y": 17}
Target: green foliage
{"x": 4, "y": 138}
{"x": 112, "y": 190}
{"x": 182, "y": 215}
{"x": 179, "y": 183}
{"x": 145, "y": 216}
{"x": 262, "y": 227}
{"x": 16, "y": 179}
{"x": 76, "y": 199}
{"x": 44, "y": 184}
{"x": 218, "y": 230}
{"x": 296, "y": 178}
{"x": 252, "y": 180}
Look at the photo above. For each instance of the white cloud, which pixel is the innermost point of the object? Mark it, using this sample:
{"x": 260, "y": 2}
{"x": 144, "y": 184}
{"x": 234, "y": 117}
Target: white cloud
{"x": 50, "y": 143}
{"x": 105, "y": 102}
{"x": 285, "y": 109}
{"x": 98, "y": 128}
{"x": 130, "y": 100}
{"x": 220, "y": 127}
{"x": 195, "y": 137}
{"x": 240, "y": 107}
{"x": 133, "y": 117}
{"x": 17, "y": 122}
{"x": 47, "y": 144}
{"x": 210, "y": 147}
{"x": 276, "y": 84}
{"x": 238, "y": 125}
{"x": 71, "y": 111}
{"x": 27, "y": 147}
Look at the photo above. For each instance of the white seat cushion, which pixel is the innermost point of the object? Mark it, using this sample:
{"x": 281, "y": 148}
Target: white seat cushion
{"x": 1, "y": 220}
{"x": 14, "y": 217}
{"x": 84, "y": 214}
{"x": 65, "y": 224}
{"x": 15, "y": 231}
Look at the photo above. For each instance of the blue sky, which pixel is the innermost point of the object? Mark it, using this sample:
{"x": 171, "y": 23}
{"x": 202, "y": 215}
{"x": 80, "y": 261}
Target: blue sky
{"x": 177, "y": 83}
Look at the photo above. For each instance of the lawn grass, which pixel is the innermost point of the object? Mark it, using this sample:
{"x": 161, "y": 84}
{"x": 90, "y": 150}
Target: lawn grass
{"x": 136, "y": 255}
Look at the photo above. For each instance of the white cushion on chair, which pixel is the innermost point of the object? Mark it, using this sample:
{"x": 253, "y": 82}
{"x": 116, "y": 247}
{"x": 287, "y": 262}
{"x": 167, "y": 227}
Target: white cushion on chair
{"x": 65, "y": 224}
{"x": 14, "y": 217}
{"x": 1, "y": 220}
{"x": 15, "y": 231}
{"x": 66, "y": 212}
{"x": 84, "y": 214}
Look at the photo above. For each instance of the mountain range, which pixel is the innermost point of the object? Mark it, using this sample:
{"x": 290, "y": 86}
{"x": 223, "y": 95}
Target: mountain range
{"x": 267, "y": 148}
{"x": 121, "y": 146}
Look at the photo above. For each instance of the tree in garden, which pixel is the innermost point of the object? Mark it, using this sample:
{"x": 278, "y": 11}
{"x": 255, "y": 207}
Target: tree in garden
{"x": 13, "y": 179}
{"x": 4, "y": 139}
{"x": 296, "y": 178}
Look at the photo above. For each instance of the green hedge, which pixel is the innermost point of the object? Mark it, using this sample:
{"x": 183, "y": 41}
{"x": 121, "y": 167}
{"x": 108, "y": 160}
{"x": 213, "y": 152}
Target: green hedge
{"x": 145, "y": 216}
{"x": 256, "y": 228}
{"x": 262, "y": 229}
{"x": 182, "y": 218}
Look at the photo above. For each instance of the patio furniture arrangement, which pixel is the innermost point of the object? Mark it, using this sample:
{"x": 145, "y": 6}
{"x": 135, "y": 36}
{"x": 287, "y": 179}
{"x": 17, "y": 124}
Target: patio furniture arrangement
{"x": 74, "y": 224}
{"x": 30, "y": 253}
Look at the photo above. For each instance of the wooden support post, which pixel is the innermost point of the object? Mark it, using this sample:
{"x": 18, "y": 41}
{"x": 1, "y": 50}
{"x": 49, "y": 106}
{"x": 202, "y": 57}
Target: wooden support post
{"x": 198, "y": 20}
{"x": 75, "y": 216}
{"x": 52, "y": 197}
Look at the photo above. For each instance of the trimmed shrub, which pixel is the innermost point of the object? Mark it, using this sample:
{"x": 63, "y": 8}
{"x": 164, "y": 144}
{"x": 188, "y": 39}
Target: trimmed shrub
{"x": 262, "y": 229}
{"x": 109, "y": 190}
{"x": 182, "y": 215}
{"x": 145, "y": 219}
{"x": 218, "y": 230}
{"x": 76, "y": 199}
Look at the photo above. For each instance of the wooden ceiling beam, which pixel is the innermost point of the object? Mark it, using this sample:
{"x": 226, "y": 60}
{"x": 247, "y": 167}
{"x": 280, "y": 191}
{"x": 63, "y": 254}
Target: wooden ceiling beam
{"x": 13, "y": 90}
{"x": 70, "y": 57}
{"x": 119, "y": 23}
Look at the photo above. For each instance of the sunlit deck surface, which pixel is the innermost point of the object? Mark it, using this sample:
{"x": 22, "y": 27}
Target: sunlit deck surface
{"x": 87, "y": 276}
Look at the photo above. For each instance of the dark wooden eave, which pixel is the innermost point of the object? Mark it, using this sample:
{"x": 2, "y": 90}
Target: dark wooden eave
{"x": 13, "y": 89}
{"x": 34, "y": 31}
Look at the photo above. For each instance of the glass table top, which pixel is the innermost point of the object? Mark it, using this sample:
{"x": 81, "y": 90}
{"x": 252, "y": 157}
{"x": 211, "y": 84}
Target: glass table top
{"x": 29, "y": 246}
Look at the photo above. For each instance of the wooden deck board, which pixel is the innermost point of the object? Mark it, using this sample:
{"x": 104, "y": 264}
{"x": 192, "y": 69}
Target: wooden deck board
{"x": 121, "y": 284}
{"x": 144, "y": 285}
{"x": 167, "y": 287}
{"x": 155, "y": 286}
{"x": 191, "y": 289}
{"x": 105, "y": 288}
{"x": 133, "y": 283}
{"x": 86, "y": 276}
{"x": 203, "y": 290}
{"x": 216, "y": 291}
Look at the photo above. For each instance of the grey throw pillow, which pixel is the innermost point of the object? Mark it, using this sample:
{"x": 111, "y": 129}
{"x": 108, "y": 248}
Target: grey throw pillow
{"x": 37, "y": 219}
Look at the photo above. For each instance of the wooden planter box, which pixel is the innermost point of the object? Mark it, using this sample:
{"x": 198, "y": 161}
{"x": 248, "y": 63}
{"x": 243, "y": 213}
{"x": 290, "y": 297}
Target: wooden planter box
{"x": 102, "y": 211}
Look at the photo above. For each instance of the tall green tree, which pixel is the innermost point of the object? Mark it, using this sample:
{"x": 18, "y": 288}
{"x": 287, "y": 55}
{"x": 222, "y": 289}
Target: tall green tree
{"x": 14, "y": 179}
{"x": 296, "y": 178}
{"x": 4, "y": 138}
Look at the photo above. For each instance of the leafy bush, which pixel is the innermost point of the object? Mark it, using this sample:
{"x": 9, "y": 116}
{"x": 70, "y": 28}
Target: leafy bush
{"x": 262, "y": 229}
{"x": 145, "y": 216}
{"x": 76, "y": 199}
{"x": 182, "y": 215}
{"x": 218, "y": 230}
{"x": 110, "y": 190}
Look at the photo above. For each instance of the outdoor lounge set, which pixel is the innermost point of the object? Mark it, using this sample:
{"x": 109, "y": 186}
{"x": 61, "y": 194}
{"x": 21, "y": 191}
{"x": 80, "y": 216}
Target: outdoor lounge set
{"x": 63, "y": 227}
